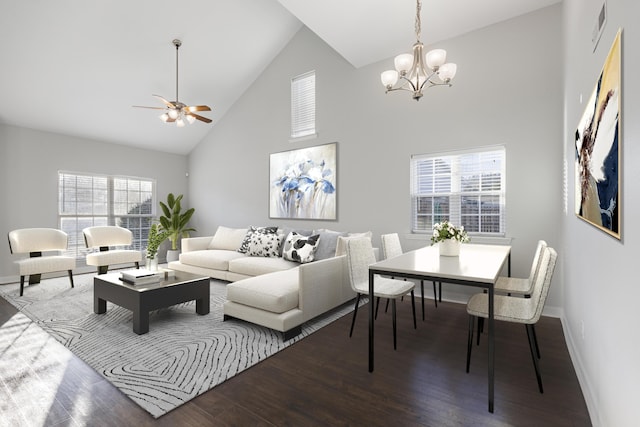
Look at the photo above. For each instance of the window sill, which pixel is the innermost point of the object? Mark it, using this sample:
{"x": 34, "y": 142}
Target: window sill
{"x": 303, "y": 138}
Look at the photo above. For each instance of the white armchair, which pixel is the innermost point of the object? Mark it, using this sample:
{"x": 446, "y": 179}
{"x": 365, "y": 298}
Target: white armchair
{"x": 35, "y": 241}
{"x": 104, "y": 238}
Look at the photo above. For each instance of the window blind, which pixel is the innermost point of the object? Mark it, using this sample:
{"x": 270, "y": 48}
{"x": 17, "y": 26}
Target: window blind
{"x": 303, "y": 105}
{"x": 465, "y": 188}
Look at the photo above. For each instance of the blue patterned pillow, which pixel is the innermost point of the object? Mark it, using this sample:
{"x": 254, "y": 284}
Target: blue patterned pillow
{"x": 300, "y": 248}
{"x": 244, "y": 247}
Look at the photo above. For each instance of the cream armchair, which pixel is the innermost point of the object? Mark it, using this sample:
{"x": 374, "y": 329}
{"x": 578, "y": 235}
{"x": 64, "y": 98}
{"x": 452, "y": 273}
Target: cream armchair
{"x": 35, "y": 241}
{"x": 104, "y": 237}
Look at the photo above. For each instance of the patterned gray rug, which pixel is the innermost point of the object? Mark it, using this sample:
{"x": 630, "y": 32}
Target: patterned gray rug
{"x": 181, "y": 357}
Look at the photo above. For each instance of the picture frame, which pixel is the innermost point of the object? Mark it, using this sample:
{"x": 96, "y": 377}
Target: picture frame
{"x": 303, "y": 183}
{"x": 598, "y": 149}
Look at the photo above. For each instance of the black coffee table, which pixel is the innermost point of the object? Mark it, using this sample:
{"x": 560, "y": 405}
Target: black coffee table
{"x": 141, "y": 299}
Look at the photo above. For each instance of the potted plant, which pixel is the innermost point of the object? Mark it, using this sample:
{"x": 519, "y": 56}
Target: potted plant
{"x": 155, "y": 239}
{"x": 449, "y": 237}
{"x": 174, "y": 223}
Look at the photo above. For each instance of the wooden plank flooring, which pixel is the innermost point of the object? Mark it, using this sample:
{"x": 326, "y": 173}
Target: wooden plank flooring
{"x": 323, "y": 381}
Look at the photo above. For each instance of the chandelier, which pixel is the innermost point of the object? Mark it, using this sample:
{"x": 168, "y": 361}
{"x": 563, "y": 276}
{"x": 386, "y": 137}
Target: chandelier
{"x": 411, "y": 73}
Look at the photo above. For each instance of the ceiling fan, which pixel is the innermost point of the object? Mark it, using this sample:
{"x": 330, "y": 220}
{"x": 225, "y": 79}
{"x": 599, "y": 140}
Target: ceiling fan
{"x": 176, "y": 111}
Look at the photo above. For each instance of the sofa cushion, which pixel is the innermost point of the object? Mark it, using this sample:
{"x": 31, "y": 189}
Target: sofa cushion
{"x": 210, "y": 258}
{"x": 276, "y": 292}
{"x": 244, "y": 247}
{"x": 328, "y": 243}
{"x": 228, "y": 238}
{"x": 300, "y": 248}
{"x": 265, "y": 245}
{"x": 255, "y": 266}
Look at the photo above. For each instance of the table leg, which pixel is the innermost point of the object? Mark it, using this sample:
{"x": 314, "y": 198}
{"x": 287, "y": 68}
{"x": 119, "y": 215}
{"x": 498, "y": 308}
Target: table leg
{"x": 370, "y": 321}
{"x": 99, "y": 305}
{"x": 140, "y": 322}
{"x": 202, "y": 306}
{"x": 491, "y": 347}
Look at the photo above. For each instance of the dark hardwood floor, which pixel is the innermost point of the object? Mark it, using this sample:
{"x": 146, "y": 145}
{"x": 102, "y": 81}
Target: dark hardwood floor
{"x": 323, "y": 381}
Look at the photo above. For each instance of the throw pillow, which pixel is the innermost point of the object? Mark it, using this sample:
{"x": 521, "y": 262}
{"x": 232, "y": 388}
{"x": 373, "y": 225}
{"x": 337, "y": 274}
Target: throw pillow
{"x": 284, "y": 231}
{"x": 341, "y": 247}
{"x": 227, "y": 238}
{"x": 244, "y": 247}
{"x": 328, "y": 243}
{"x": 300, "y": 248}
{"x": 265, "y": 245}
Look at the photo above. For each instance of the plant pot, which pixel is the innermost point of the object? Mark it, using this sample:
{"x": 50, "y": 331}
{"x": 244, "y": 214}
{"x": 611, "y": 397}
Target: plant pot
{"x": 173, "y": 255}
{"x": 449, "y": 247}
{"x": 152, "y": 263}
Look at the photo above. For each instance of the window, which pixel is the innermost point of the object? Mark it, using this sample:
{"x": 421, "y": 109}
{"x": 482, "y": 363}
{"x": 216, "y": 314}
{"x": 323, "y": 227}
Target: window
{"x": 303, "y": 105}
{"x": 465, "y": 188}
{"x": 86, "y": 200}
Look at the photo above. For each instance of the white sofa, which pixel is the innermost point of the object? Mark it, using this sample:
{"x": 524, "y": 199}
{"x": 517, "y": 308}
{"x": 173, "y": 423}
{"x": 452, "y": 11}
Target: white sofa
{"x": 269, "y": 291}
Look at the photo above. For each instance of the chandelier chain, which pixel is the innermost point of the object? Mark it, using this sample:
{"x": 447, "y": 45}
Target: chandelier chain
{"x": 418, "y": 22}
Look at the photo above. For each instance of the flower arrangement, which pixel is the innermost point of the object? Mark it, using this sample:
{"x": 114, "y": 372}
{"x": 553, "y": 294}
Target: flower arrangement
{"x": 156, "y": 237}
{"x": 445, "y": 230}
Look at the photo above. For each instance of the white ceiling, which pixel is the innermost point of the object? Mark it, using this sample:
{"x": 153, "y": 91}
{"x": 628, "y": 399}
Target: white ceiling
{"x": 77, "y": 67}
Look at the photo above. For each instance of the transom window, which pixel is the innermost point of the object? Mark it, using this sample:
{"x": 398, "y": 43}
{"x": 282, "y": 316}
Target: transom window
{"x": 466, "y": 188}
{"x": 86, "y": 200}
{"x": 303, "y": 105}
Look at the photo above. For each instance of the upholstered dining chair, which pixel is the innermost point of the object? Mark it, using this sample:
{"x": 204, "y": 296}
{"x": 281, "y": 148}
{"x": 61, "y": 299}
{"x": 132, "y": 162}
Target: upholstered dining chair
{"x": 35, "y": 241}
{"x": 359, "y": 256}
{"x": 391, "y": 247}
{"x": 521, "y": 286}
{"x": 106, "y": 239}
{"x": 517, "y": 310}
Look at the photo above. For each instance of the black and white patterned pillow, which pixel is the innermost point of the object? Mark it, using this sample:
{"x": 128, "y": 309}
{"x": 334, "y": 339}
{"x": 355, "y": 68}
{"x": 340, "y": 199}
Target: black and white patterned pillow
{"x": 244, "y": 247}
{"x": 265, "y": 245}
{"x": 300, "y": 248}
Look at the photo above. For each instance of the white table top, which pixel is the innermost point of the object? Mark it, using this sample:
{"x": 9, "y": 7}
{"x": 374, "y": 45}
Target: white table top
{"x": 476, "y": 263}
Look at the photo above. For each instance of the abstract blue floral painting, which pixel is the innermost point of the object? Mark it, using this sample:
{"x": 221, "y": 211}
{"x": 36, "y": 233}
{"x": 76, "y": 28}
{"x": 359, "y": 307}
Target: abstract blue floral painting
{"x": 303, "y": 183}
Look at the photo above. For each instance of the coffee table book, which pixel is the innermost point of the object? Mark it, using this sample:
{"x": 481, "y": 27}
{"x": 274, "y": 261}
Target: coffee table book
{"x": 141, "y": 276}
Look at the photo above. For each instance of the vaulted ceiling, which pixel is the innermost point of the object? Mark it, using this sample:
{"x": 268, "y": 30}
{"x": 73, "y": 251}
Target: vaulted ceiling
{"x": 78, "y": 67}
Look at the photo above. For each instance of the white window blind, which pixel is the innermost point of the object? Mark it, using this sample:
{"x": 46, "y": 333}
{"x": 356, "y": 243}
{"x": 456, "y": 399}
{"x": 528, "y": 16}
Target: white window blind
{"x": 86, "y": 200}
{"x": 466, "y": 188}
{"x": 303, "y": 105}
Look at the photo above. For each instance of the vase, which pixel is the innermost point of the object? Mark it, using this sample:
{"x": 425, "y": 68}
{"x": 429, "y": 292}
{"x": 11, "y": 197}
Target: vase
{"x": 152, "y": 263}
{"x": 449, "y": 247}
{"x": 173, "y": 255}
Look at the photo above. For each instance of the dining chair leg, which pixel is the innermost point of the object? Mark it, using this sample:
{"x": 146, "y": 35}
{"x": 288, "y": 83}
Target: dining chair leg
{"x": 422, "y": 293}
{"x": 377, "y": 305}
{"x": 440, "y": 291}
{"x": 470, "y": 340}
{"x": 386, "y": 307}
{"x": 393, "y": 311}
{"x": 435, "y": 295}
{"x": 535, "y": 340}
{"x": 480, "y": 328}
{"x": 355, "y": 313}
{"x": 534, "y": 358}
{"x": 413, "y": 306}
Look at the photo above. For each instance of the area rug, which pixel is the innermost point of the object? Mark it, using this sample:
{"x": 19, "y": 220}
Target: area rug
{"x": 182, "y": 356}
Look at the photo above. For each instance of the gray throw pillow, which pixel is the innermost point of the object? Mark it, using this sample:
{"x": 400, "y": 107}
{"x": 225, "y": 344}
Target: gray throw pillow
{"x": 328, "y": 243}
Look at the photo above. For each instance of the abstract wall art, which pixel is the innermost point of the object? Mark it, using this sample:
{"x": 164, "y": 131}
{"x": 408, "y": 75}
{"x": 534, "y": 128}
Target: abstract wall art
{"x": 303, "y": 183}
{"x": 597, "y": 150}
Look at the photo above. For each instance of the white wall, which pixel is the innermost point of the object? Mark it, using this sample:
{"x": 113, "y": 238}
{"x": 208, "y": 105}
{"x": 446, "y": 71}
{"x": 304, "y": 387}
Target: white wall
{"x": 602, "y": 289}
{"x": 29, "y": 165}
{"x": 501, "y": 95}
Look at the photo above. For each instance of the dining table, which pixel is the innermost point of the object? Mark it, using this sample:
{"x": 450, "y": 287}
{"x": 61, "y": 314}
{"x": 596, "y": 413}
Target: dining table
{"x": 477, "y": 265}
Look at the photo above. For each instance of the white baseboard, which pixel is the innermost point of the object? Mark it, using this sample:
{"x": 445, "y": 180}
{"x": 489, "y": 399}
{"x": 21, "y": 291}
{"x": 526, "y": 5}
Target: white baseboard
{"x": 583, "y": 379}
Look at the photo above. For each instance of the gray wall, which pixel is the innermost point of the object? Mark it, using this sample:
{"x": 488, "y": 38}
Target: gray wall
{"x": 601, "y": 286}
{"x": 29, "y": 165}
{"x": 500, "y": 96}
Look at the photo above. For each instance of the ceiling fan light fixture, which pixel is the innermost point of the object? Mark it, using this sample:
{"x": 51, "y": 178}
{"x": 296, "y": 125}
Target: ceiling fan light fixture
{"x": 164, "y": 117}
{"x": 180, "y": 123}
{"x": 190, "y": 118}
{"x": 173, "y": 113}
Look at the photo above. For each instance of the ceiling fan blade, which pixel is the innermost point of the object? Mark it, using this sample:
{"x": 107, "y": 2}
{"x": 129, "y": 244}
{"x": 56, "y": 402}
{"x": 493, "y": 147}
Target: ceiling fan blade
{"x": 153, "y": 108}
{"x": 169, "y": 104}
{"x": 198, "y": 108}
{"x": 202, "y": 119}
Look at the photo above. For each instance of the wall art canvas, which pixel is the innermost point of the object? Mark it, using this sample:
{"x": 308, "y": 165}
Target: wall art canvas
{"x": 303, "y": 183}
{"x": 598, "y": 159}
